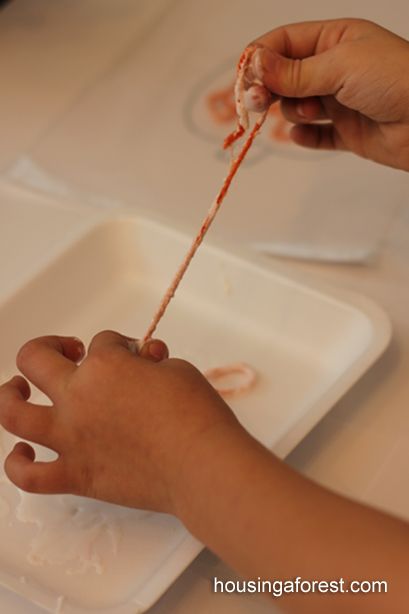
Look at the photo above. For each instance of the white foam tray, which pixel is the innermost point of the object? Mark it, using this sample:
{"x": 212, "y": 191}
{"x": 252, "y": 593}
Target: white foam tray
{"x": 308, "y": 347}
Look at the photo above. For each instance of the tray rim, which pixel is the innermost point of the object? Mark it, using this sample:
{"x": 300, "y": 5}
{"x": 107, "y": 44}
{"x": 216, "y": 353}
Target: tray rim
{"x": 187, "y": 550}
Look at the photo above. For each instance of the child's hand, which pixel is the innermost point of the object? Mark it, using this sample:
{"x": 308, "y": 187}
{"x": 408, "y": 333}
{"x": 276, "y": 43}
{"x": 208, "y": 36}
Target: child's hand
{"x": 123, "y": 426}
{"x": 158, "y": 436}
{"x": 350, "y": 72}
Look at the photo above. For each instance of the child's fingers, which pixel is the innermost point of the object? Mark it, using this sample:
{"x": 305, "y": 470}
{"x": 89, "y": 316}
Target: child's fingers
{"x": 108, "y": 339}
{"x": 298, "y": 40}
{"x": 35, "y": 477}
{"x": 312, "y": 76}
{"x": 298, "y": 60}
{"x": 21, "y": 386}
{"x": 49, "y": 362}
{"x": 26, "y": 420}
{"x": 307, "y": 38}
{"x": 303, "y": 110}
{"x": 154, "y": 350}
{"x": 322, "y": 136}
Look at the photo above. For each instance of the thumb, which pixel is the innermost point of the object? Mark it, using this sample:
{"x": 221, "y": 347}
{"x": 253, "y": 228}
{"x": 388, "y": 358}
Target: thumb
{"x": 317, "y": 75}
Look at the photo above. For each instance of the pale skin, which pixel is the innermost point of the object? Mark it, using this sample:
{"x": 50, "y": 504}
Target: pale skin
{"x": 350, "y": 73}
{"x": 148, "y": 431}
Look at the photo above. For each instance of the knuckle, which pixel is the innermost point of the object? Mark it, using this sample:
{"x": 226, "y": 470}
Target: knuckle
{"x": 180, "y": 363}
{"x": 359, "y": 21}
{"x": 103, "y": 334}
{"x": 97, "y": 356}
{"x": 101, "y": 357}
{"x": 26, "y": 352}
{"x": 183, "y": 369}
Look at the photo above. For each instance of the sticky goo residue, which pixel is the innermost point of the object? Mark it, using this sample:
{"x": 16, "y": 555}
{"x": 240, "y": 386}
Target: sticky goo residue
{"x": 244, "y": 379}
{"x": 69, "y": 533}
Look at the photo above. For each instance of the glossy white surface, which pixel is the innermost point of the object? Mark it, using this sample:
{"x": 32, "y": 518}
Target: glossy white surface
{"x": 115, "y": 559}
{"x": 361, "y": 448}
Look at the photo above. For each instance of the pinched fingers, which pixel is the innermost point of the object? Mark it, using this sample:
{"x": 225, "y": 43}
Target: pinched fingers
{"x": 31, "y": 422}
{"x": 24, "y": 419}
{"x": 33, "y": 476}
{"x": 258, "y": 98}
{"x": 154, "y": 349}
{"x": 317, "y": 137}
{"x": 49, "y": 362}
{"x": 297, "y": 40}
{"x": 109, "y": 339}
{"x": 19, "y": 385}
{"x": 303, "y": 110}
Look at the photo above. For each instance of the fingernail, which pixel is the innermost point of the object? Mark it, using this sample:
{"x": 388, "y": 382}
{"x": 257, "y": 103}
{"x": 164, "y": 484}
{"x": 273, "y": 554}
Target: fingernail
{"x": 156, "y": 350}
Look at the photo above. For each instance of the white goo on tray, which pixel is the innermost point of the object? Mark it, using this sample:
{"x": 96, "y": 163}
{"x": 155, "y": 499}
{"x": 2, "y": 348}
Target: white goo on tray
{"x": 69, "y": 533}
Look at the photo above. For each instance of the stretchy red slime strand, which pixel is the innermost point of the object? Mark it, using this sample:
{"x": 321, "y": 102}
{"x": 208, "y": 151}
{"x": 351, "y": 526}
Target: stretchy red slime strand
{"x": 247, "y": 376}
{"x": 235, "y": 165}
{"x": 239, "y": 91}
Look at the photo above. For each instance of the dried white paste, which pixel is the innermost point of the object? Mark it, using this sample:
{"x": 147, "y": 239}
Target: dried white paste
{"x": 69, "y": 532}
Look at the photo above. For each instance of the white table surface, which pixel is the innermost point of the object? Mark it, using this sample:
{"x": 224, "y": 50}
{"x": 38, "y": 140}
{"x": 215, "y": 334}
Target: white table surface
{"x": 361, "y": 448}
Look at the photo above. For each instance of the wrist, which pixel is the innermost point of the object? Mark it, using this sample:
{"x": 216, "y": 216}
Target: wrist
{"x": 213, "y": 462}
{"x": 201, "y": 459}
